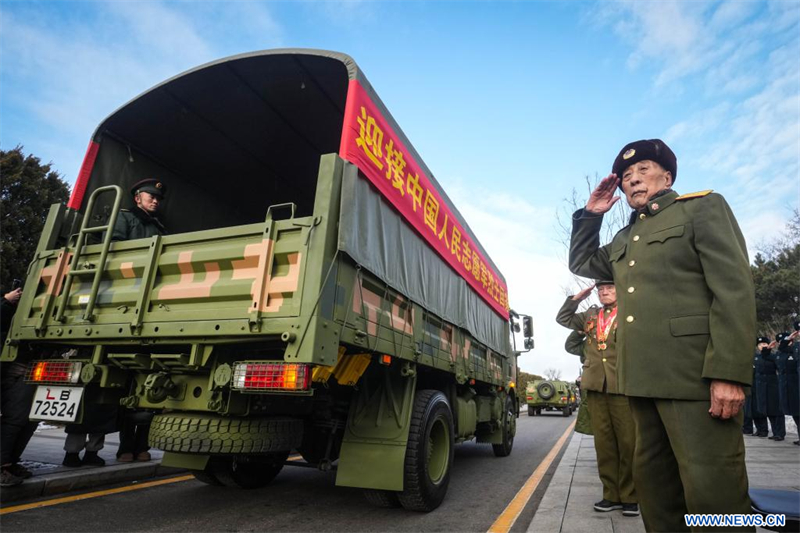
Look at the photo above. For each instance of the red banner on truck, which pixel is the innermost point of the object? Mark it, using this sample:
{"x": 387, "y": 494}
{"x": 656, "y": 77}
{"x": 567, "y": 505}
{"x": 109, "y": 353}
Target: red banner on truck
{"x": 371, "y": 144}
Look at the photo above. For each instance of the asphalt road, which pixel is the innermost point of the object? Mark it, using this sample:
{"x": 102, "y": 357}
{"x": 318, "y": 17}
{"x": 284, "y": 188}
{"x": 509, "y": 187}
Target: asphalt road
{"x": 304, "y": 499}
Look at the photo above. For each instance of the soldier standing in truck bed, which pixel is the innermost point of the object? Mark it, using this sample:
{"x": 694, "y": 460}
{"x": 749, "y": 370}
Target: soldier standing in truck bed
{"x": 141, "y": 222}
{"x": 687, "y": 322}
{"x": 612, "y": 423}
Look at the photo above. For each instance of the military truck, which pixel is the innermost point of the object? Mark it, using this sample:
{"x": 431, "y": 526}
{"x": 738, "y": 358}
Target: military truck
{"x": 549, "y": 395}
{"x": 317, "y": 290}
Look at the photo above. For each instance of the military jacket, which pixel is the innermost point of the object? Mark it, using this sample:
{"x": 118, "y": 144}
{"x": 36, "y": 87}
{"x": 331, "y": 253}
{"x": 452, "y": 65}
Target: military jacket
{"x": 136, "y": 224}
{"x": 684, "y": 290}
{"x": 788, "y": 389}
{"x": 600, "y": 366}
{"x": 767, "y": 383}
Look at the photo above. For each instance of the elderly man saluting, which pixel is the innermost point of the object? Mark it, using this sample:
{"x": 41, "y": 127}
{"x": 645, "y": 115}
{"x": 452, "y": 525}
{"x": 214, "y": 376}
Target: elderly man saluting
{"x": 687, "y": 319}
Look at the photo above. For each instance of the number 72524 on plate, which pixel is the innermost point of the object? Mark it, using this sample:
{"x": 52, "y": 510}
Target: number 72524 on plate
{"x": 56, "y": 403}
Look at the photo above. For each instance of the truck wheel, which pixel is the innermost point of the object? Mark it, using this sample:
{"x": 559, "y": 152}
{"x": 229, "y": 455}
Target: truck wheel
{"x": 429, "y": 453}
{"x": 247, "y": 471}
{"x": 508, "y": 428}
{"x": 565, "y": 411}
{"x": 531, "y": 410}
{"x": 546, "y": 390}
{"x": 213, "y": 434}
{"x": 382, "y": 498}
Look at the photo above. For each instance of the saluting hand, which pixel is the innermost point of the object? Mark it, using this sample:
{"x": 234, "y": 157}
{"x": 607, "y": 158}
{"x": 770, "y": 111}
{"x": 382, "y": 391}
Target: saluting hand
{"x": 584, "y": 293}
{"x": 726, "y": 399}
{"x": 602, "y": 198}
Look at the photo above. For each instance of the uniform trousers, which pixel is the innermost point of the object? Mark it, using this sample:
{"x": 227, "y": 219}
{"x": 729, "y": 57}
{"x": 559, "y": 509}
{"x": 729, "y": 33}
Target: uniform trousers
{"x": 75, "y": 442}
{"x": 614, "y": 442}
{"x": 687, "y": 462}
{"x": 778, "y": 423}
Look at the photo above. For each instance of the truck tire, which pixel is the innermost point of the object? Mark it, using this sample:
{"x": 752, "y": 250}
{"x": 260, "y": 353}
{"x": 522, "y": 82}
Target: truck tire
{"x": 382, "y": 498}
{"x": 566, "y": 411}
{"x": 546, "y": 390}
{"x": 531, "y": 410}
{"x": 213, "y": 434}
{"x": 429, "y": 453}
{"x": 508, "y": 427}
{"x": 247, "y": 471}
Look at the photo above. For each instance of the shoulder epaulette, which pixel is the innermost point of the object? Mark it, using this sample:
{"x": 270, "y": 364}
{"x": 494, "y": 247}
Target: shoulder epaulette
{"x": 126, "y": 210}
{"x": 694, "y": 195}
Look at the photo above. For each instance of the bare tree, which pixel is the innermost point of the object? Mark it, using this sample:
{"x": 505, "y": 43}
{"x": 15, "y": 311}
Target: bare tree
{"x": 552, "y": 374}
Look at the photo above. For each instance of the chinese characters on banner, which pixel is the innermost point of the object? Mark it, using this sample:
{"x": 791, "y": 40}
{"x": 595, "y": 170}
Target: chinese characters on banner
{"x": 370, "y": 143}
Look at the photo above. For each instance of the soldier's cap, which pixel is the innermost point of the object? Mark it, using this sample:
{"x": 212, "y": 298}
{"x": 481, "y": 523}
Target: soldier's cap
{"x": 646, "y": 150}
{"x": 782, "y": 335}
{"x": 153, "y": 186}
{"x": 764, "y": 340}
{"x": 599, "y": 282}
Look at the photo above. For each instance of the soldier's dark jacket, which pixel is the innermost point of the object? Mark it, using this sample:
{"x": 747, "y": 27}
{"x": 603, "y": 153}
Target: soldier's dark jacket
{"x": 684, "y": 290}
{"x": 788, "y": 386}
{"x": 136, "y": 224}
{"x": 600, "y": 366}
{"x": 767, "y": 383}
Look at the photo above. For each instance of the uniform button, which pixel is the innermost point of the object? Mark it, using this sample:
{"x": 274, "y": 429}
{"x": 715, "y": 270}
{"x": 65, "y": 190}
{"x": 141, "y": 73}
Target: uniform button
{"x": 631, "y": 289}
{"x": 604, "y": 359}
{"x": 631, "y": 263}
{"x": 635, "y": 238}
{"x": 629, "y": 319}
{"x": 642, "y": 216}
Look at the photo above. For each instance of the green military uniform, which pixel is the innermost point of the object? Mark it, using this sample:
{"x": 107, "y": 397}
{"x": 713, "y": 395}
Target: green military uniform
{"x": 612, "y": 423}
{"x": 138, "y": 223}
{"x": 687, "y": 316}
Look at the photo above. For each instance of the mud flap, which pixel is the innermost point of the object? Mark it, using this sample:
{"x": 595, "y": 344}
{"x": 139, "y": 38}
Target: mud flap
{"x": 192, "y": 461}
{"x": 374, "y": 444}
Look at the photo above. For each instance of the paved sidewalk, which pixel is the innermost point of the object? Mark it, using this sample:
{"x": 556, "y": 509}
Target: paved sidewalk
{"x": 43, "y": 457}
{"x": 575, "y": 486}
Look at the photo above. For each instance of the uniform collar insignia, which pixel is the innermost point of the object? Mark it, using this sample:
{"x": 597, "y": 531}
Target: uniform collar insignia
{"x": 665, "y": 199}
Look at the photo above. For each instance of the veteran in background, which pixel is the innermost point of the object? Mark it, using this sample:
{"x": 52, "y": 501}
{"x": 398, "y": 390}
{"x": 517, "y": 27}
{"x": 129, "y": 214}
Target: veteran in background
{"x": 687, "y": 320}
{"x": 611, "y": 420}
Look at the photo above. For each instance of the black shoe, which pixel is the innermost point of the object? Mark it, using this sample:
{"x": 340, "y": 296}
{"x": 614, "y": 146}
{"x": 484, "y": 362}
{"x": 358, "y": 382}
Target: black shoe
{"x": 630, "y": 509}
{"x": 772, "y": 437}
{"x": 20, "y": 471}
{"x": 761, "y": 434}
{"x": 796, "y": 443}
{"x": 777, "y": 439}
{"x": 72, "y": 460}
{"x": 92, "y": 459}
{"x": 604, "y": 506}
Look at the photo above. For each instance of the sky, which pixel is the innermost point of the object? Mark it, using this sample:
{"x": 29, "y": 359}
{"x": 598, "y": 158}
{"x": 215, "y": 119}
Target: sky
{"x": 512, "y": 105}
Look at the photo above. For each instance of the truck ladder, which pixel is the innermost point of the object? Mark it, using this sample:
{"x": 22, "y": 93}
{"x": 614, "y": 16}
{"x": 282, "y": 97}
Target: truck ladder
{"x": 92, "y": 270}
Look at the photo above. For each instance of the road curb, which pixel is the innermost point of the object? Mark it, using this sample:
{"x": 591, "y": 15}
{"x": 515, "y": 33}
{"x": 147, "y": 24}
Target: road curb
{"x": 61, "y": 482}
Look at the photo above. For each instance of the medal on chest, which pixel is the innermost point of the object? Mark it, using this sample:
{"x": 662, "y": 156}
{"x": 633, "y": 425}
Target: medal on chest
{"x": 604, "y": 325}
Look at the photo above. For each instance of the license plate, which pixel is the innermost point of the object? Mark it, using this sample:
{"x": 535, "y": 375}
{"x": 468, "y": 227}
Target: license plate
{"x": 56, "y": 403}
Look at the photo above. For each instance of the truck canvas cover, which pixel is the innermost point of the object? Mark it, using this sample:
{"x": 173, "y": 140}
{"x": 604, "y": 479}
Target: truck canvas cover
{"x": 245, "y": 132}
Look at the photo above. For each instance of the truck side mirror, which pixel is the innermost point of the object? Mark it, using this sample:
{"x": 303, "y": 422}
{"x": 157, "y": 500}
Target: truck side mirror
{"x": 527, "y": 327}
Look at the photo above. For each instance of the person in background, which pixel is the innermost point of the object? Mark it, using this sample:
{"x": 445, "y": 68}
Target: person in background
{"x": 785, "y": 362}
{"x": 755, "y": 399}
{"x": 16, "y": 429}
{"x": 769, "y": 396}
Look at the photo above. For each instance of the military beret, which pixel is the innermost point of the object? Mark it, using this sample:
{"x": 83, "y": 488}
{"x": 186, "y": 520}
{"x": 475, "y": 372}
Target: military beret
{"x": 764, "y": 340}
{"x": 599, "y": 282}
{"x": 782, "y": 335}
{"x": 153, "y": 186}
{"x": 646, "y": 150}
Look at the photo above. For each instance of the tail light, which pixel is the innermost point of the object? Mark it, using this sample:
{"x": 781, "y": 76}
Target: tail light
{"x": 271, "y": 377}
{"x": 563, "y": 398}
{"x": 529, "y": 397}
{"x": 54, "y": 372}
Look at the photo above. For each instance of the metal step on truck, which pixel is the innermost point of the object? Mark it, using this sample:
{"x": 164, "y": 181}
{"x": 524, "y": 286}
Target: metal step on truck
{"x": 316, "y": 290}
